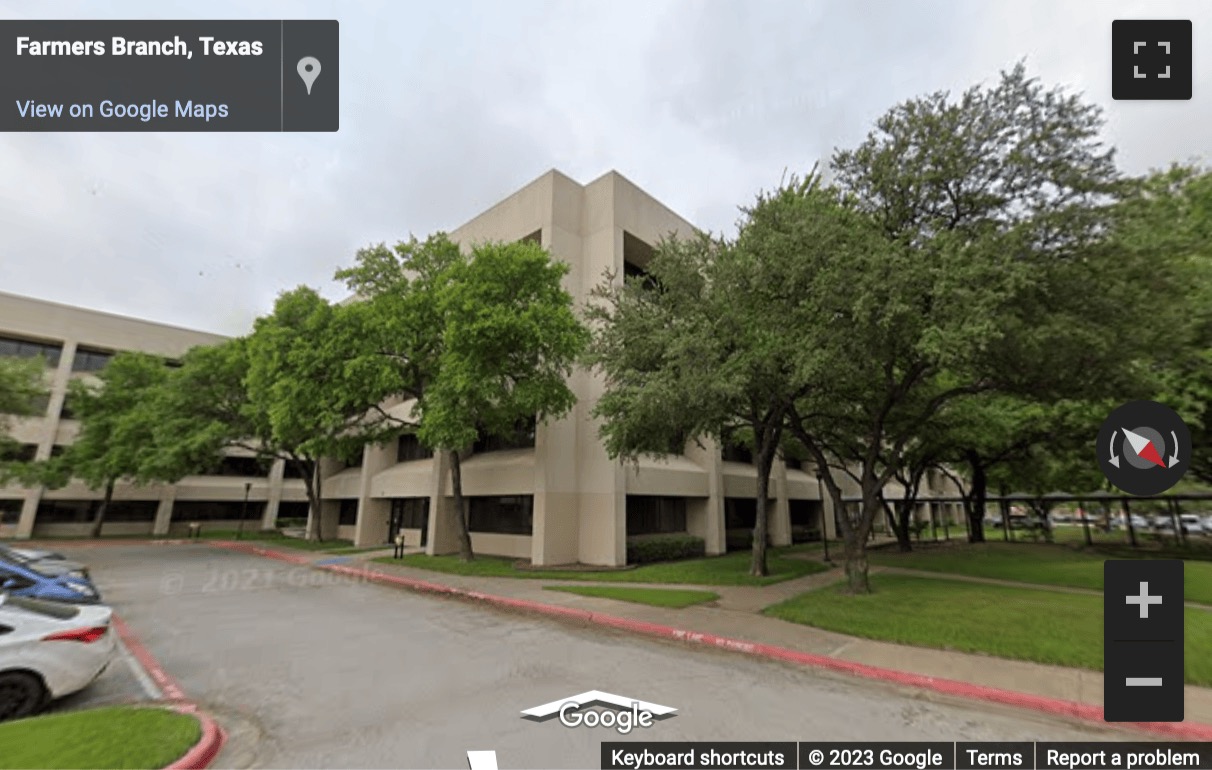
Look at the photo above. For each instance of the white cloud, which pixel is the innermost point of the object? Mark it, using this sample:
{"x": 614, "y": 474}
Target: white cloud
{"x": 448, "y": 108}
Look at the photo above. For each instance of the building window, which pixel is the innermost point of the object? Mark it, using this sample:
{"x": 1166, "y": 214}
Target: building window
{"x": 291, "y": 470}
{"x": 650, "y": 515}
{"x": 66, "y": 412}
{"x": 19, "y": 453}
{"x": 409, "y": 448}
{"x": 349, "y": 513}
{"x": 239, "y": 466}
{"x": 10, "y": 511}
{"x": 10, "y": 346}
{"x": 522, "y": 437}
{"x": 502, "y": 515}
{"x": 740, "y": 512}
{"x": 292, "y": 513}
{"x": 217, "y": 511}
{"x": 410, "y": 512}
{"x": 738, "y": 453}
{"x": 536, "y": 237}
{"x": 87, "y": 360}
{"x": 83, "y": 511}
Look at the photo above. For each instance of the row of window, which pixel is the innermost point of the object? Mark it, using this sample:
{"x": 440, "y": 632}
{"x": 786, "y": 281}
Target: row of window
{"x": 85, "y": 360}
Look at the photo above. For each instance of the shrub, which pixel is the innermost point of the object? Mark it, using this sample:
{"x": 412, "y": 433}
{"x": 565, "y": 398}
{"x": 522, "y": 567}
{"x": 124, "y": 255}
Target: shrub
{"x": 650, "y": 548}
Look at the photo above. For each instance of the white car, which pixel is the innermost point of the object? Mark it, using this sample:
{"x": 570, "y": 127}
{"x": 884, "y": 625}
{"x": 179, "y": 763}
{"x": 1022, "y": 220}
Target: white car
{"x": 48, "y": 650}
{"x": 1192, "y": 524}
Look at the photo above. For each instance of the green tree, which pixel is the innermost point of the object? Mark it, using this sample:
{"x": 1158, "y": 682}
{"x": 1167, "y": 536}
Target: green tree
{"x": 996, "y": 275}
{"x": 476, "y": 342}
{"x": 708, "y": 344}
{"x": 20, "y": 388}
{"x": 285, "y": 392}
{"x": 117, "y": 430}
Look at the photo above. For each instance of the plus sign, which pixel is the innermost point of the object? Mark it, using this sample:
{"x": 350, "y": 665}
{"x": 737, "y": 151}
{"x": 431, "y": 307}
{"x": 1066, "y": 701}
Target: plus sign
{"x": 1144, "y": 600}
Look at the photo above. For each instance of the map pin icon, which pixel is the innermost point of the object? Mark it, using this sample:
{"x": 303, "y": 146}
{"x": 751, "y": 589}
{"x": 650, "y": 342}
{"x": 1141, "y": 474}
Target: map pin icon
{"x": 309, "y": 70}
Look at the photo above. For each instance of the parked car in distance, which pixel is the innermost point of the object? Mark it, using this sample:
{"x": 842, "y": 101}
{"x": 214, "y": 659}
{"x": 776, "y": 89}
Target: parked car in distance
{"x": 35, "y": 581}
{"x": 48, "y": 650}
{"x": 33, "y": 554}
{"x": 1192, "y": 524}
{"x": 44, "y": 561}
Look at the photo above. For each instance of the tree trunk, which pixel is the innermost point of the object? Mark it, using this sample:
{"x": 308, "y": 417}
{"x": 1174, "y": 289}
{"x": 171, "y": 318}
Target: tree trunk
{"x": 315, "y": 508}
{"x": 904, "y": 513}
{"x": 900, "y": 525}
{"x": 456, "y": 483}
{"x": 761, "y": 529}
{"x": 856, "y": 538}
{"x": 99, "y": 519}
{"x": 980, "y": 496}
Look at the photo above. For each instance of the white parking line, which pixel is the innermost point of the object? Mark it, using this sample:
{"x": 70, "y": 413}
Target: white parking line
{"x": 145, "y": 681}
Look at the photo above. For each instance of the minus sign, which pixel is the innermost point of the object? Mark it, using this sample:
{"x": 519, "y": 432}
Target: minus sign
{"x": 1142, "y": 640}
{"x": 1143, "y": 681}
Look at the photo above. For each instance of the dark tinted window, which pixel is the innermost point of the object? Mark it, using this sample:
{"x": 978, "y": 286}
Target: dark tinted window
{"x": 411, "y": 512}
{"x": 648, "y": 515}
{"x": 409, "y": 447}
{"x": 90, "y": 360}
{"x": 349, "y": 513}
{"x": 522, "y": 437}
{"x": 80, "y": 511}
{"x": 217, "y": 511}
{"x": 292, "y": 470}
{"x": 38, "y": 607}
{"x": 239, "y": 466}
{"x": 503, "y": 515}
{"x": 22, "y": 453}
{"x": 10, "y": 511}
{"x": 738, "y": 453}
{"x": 10, "y": 346}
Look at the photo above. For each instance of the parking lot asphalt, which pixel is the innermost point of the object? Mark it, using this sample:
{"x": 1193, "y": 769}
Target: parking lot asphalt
{"x": 310, "y": 668}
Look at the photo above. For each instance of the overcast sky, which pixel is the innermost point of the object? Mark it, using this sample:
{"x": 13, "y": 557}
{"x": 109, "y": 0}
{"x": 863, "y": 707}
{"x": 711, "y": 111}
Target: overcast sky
{"x": 447, "y": 107}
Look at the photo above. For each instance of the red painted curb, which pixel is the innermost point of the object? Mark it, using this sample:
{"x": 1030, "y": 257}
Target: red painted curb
{"x": 211, "y": 741}
{"x": 1193, "y": 731}
{"x": 172, "y": 691}
{"x": 207, "y": 747}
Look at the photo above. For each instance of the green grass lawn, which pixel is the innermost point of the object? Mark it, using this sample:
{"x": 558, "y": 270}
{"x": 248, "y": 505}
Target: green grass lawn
{"x": 728, "y": 570}
{"x": 657, "y": 597}
{"x": 1034, "y": 563}
{"x": 116, "y": 737}
{"x": 1008, "y": 622}
{"x": 277, "y": 539}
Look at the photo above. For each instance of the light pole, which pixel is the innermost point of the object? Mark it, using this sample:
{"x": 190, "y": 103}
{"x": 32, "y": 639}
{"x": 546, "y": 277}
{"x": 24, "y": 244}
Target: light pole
{"x": 820, "y": 492}
{"x": 243, "y": 511}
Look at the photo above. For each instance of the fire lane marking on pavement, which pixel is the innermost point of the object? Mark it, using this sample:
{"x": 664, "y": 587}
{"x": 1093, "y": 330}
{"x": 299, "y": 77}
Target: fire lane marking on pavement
{"x": 145, "y": 682}
{"x": 482, "y": 760}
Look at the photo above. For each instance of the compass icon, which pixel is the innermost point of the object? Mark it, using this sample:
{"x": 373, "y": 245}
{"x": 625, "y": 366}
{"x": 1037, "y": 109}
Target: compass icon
{"x": 1143, "y": 447}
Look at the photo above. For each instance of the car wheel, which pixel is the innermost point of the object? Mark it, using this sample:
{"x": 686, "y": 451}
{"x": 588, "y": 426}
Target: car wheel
{"x": 21, "y": 694}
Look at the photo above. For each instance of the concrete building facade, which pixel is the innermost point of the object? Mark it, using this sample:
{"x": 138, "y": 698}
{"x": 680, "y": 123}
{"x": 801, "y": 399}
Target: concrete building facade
{"x": 548, "y": 494}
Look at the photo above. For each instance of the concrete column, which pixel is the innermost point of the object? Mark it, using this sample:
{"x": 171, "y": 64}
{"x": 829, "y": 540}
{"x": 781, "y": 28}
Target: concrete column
{"x": 164, "y": 511}
{"x": 555, "y": 533}
{"x": 443, "y": 537}
{"x": 331, "y": 509}
{"x": 705, "y": 516}
{"x": 273, "y": 499}
{"x": 46, "y": 442}
{"x": 373, "y": 513}
{"x": 779, "y": 512}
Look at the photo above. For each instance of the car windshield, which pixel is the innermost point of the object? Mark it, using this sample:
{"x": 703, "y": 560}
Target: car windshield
{"x": 39, "y": 607}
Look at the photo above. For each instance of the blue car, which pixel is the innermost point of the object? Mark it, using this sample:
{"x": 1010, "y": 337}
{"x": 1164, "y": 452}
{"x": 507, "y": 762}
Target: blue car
{"x": 26, "y": 579}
